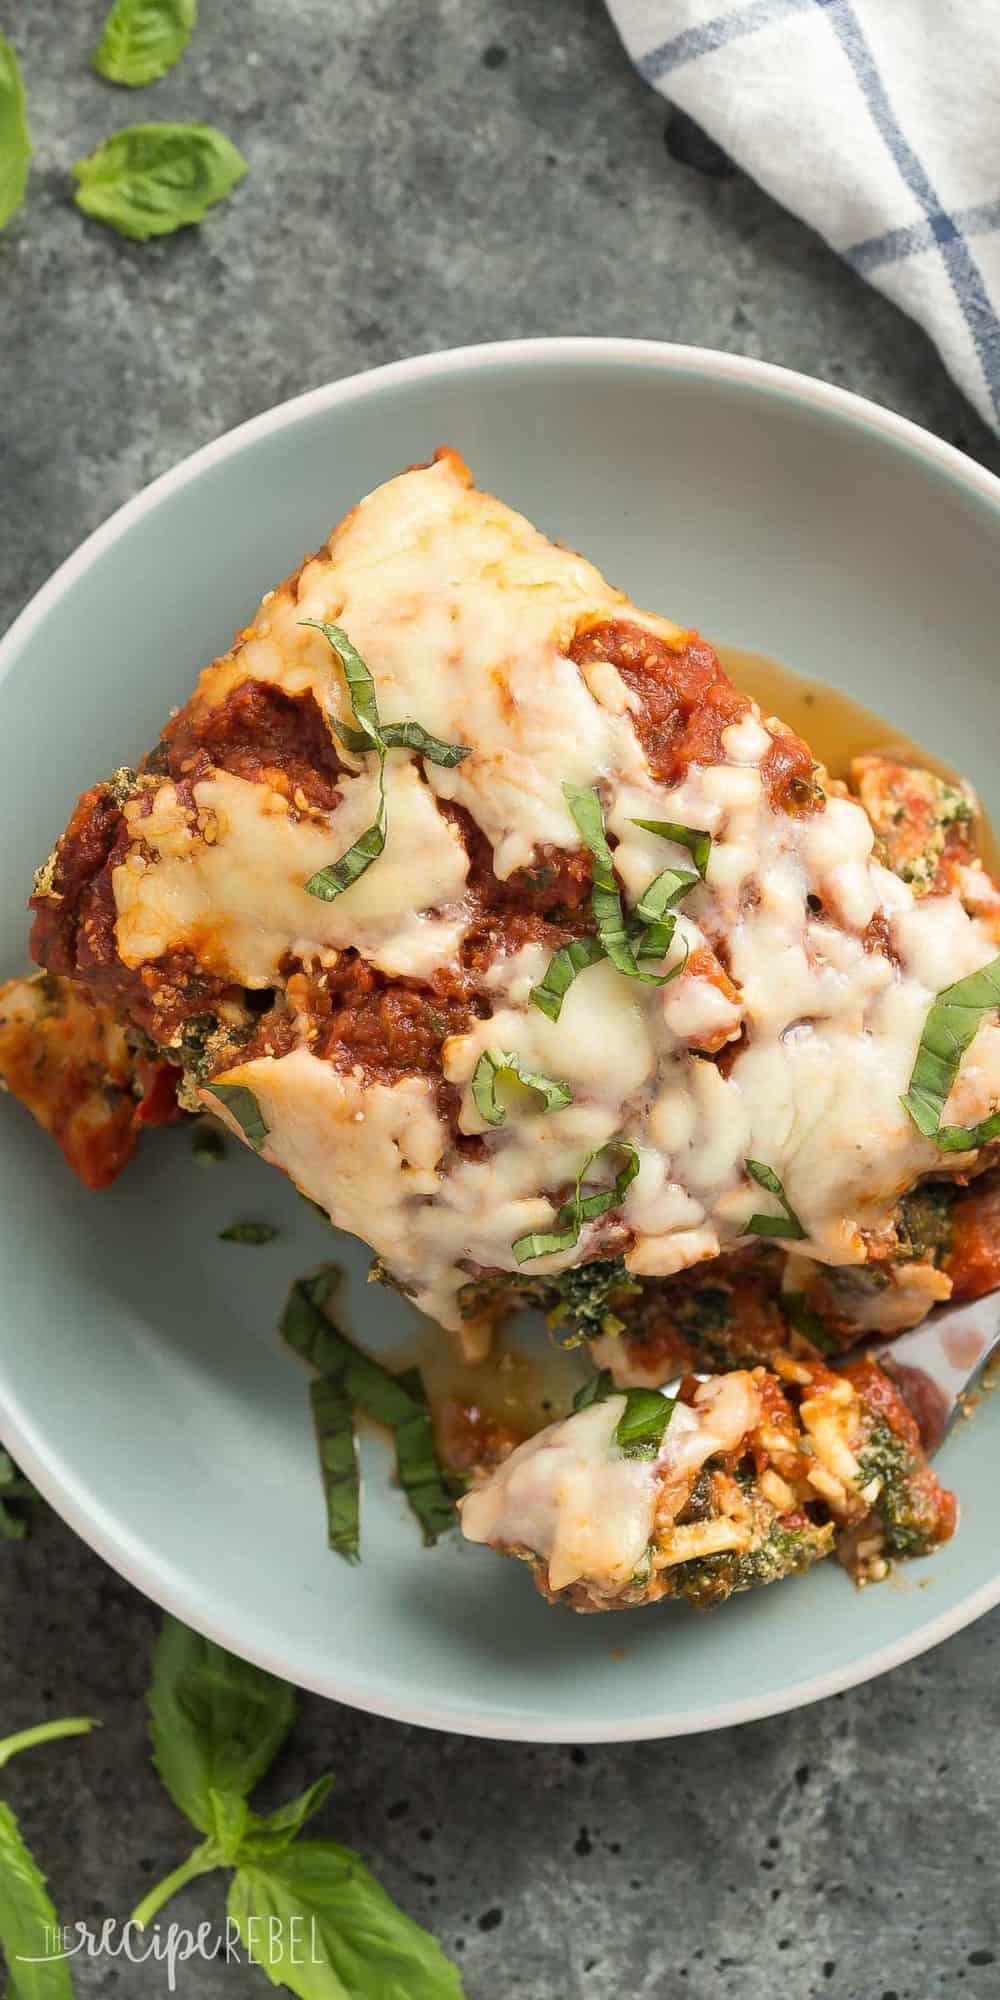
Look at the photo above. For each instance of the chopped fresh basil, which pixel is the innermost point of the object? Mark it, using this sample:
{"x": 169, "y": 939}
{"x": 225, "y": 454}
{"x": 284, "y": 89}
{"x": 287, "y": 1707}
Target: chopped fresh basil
{"x": 663, "y": 892}
{"x": 371, "y": 734}
{"x": 330, "y": 882}
{"x": 581, "y": 1208}
{"x": 149, "y": 180}
{"x": 639, "y": 1430}
{"x": 697, "y": 842}
{"x": 808, "y": 1324}
{"x": 15, "y": 145}
{"x": 948, "y": 1030}
{"x": 563, "y": 967}
{"x": 413, "y": 736}
{"x": 397, "y": 1401}
{"x": 208, "y": 1145}
{"x": 248, "y": 1232}
{"x": 495, "y": 1063}
{"x": 771, "y": 1225}
{"x": 338, "y": 1457}
{"x": 605, "y": 898}
{"x": 242, "y": 1105}
{"x": 143, "y": 39}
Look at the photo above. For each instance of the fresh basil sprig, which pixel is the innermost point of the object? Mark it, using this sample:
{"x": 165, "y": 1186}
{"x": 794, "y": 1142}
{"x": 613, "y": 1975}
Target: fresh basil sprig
{"x": 149, "y": 180}
{"x": 217, "y": 1723}
{"x": 142, "y": 39}
{"x": 581, "y": 1208}
{"x": 371, "y": 734}
{"x": 15, "y": 145}
{"x": 242, "y": 1105}
{"x": 640, "y": 1428}
{"x": 397, "y": 1401}
{"x": 28, "y": 1922}
{"x": 771, "y": 1225}
{"x": 496, "y": 1063}
{"x": 948, "y": 1030}
{"x": 648, "y": 934}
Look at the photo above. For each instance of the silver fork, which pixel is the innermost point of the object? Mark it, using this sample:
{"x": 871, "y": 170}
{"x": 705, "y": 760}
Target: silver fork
{"x": 935, "y": 1366}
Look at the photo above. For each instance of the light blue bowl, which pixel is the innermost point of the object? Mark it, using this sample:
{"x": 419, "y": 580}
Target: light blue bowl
{"x": 141, "y": 1383}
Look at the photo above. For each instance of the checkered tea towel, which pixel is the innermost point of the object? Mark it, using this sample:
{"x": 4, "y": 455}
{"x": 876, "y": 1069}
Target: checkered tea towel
{"x": 877, "y": 121}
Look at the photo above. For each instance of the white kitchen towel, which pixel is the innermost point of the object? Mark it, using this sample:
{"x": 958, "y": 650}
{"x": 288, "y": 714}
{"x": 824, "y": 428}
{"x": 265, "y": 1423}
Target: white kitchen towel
{"x": 877, "y": 121}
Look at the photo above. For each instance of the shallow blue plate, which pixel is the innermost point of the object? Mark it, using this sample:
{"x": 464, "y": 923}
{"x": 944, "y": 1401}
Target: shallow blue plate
{"x": 141, "y": 1384}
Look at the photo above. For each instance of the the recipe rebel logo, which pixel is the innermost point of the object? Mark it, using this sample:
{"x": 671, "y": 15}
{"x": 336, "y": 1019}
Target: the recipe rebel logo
{"x": 288, "y": 1941}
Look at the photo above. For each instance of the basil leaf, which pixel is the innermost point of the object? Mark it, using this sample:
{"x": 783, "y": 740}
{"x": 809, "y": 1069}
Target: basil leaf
{"x": 338, "y": 1457}
{"x": 949, "y": 1028}
{"x": 28, "y": 1922}
{"x": 142, "y": 39}
{"x": 248, "y": 1232}
{"x": 216, "y": 1722}
{"x": 231, "y": 1816}
{"x": 394, "y": 1400}
{"x": 13, "y": 1526}
{"x": 564, "y": 966}
{"x": 15, "y": 145}
{"x": 336, "y": 1934}
{"x": 663, "y": 891}
{"x": 243, "y": 1106}
{"x": 413, "y": 736}
{"x": 495, "y": 1063}
{"x": 808, "y": 1324}
{"x": 271, "y": 1833}
{"x": 149, "y": 180}
{"x": 360, "y": 684}
{"x": 640, "y": 1428}
{"x": 697, "y": 842}
{"x": 605, "y": 899}
{"x": 580, "y": 1208}
{"x": 330, "y": 882}
{"x": 771, "y": 1225}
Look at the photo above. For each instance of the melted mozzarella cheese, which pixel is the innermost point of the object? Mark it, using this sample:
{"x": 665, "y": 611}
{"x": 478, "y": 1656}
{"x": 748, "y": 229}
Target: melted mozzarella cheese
{"x": 569, "y": 1497}
{"x": 465, "y": 615}
{"x": 229, "y": 882}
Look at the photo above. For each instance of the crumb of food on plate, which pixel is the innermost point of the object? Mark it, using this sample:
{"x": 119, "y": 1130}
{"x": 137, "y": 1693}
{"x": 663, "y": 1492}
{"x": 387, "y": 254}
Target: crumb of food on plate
{"x": 72, "y": 1061}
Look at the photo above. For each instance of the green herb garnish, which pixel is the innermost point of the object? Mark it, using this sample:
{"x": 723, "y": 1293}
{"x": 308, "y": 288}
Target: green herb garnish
{"x": 208, "y": 1145}
{"x": 242, "y": 1105}
{"x": 394, "y": 1400}
{"x": 13, "y": 1486}
{"x": 807, "y": 1324}
{"x": 149, "y": 180}
{"x": 563, "y": 967}
{"x": 948, "y": 1030}
{"x": 639, "y": 1430}
{"x": 581, "y": 1208}
{"x": 217, "y": 1724}
{"x": 496, "y": 1063}
{"x": 771, "y": 1225}
{"x": 143, "y": 39}
{"x": 15, "y": 145}
{"x": 248, "y": 1232}
{"x": 697, "y": 842}
{"x": 28, "y": 1922}
{"x": 605, "y": 898}
{"x": 338, "y": 1457}
{"x": 371, "y": 734}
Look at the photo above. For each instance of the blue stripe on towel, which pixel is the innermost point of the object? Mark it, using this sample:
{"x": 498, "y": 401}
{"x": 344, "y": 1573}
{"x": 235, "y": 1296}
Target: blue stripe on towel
{"x": 714, "y": 34}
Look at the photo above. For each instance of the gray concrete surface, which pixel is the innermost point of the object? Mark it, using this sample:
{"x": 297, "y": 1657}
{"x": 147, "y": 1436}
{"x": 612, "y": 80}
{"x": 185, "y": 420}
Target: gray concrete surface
{"x": 425, "y": 172}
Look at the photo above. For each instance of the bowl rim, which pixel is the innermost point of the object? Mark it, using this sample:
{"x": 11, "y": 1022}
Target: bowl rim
{"x": 155, "y": 1576}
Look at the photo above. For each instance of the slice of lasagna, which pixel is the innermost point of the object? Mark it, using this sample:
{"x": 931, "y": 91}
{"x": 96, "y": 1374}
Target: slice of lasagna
{"x": 486, "y": 907}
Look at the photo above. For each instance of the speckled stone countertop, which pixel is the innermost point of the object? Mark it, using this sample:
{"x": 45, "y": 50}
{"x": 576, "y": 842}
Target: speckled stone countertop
{"x": 424, "y": 173}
